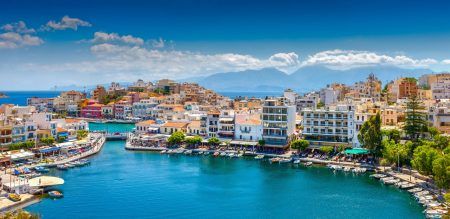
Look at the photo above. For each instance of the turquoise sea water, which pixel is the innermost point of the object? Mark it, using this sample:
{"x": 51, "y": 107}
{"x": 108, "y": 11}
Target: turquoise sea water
{"x": 127, "y": 184}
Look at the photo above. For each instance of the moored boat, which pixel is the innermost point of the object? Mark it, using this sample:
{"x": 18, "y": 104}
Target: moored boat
{"x": 275, "y": 159}
{"x": 285, "y": 160}
{"x": 163, "y": 152}
{"x": 308, "y": 164}
{"x": 55, "y": 194}
{"x": 296, "y": 161}
{"x": 62, "y": 167}
{"x": 216, "y": 154}
{"x": 14, "y": 197}
{"x": 259, "y": 157}
{"x": 40, "y": 169}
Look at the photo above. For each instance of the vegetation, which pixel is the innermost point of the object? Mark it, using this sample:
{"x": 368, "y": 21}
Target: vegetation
{"x": 415, "y": 119}
{"x": 176, "y": 138}
{"x": 61, "y": 139}
{"x": 300, "y": 144}
{"x": 327, "y": 149}
{"x": 320, "y": 104}
{"x": 47, "y": 141}
{"x": 261, "y": 142}
{"x": 194, "y": 141}
{"x": 391, "y": 134}
{"x": 20, "y": 214}
{"x": 396, "y": 153}
{"x": 370, "y": 134}
{"x": 21, "y": 145}
{"x": 213, "y": 141}
{"x": 81, "y": 134}
{"x": 108, "y": 98}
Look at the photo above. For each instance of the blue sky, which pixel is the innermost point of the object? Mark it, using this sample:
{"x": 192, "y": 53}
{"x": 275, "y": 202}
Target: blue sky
{"x": 87, "y": 42}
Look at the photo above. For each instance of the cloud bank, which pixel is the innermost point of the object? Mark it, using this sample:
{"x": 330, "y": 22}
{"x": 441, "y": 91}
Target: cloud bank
{"x": 66, "y": 22}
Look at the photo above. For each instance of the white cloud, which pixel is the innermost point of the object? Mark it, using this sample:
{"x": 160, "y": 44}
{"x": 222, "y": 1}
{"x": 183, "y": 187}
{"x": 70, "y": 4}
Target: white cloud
{"x": 159, "y": 43}
{"x": 102, "y": 37}
{"x": 445, "y": 62}
{"x": 11, "y": 40}
{"x": 346, "y": 59}
{"x": 18, "y": 27}
{"x": 122, "y": 62}
{"x": 66, "y": 23}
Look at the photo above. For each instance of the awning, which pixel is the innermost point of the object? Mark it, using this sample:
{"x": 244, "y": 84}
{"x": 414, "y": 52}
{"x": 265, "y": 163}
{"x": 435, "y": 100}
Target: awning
{"x": 356, "y": 151}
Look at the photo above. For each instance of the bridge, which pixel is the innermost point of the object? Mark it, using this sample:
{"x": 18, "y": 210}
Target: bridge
{"x": 114, "y": 136}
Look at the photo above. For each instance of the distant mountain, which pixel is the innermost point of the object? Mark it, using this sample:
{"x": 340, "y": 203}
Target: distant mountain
{"x": 314, "y": 77}
{"x": 87, "y": 87}
{"x": 304, "y": 79}
{"x": 268, "y": 79}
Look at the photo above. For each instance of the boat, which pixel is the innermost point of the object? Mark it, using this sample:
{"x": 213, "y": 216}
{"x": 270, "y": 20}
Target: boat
{"x": 377, "y": 176}
{"x": 62, "y": 167}
{"x": 240, "y": 155}
{"x": 285, "y": 160}
{"x": 40, "y": 169}
{"x": 163, "y": 152}
{"x": 69, "y": 165}
{"x": 275, "y": 159}
{"x": 84, "y": 162}
{"x": 259, "y": 157}
{"x": 230, "y": 154}
{"x": 223, "y": 154}
{"x": 55, "y": 194}
{"x": 431, "y": 213}
{"x": 200, "y": 152}
{"x": 14, "y": 197}
{"x": 308, "y": 163}
{"x": 391, "y": 182}
{"x": 347, "y": 169}
{"x": 206, "y": 153}
{"x": 188, "y": 152}
{"x": 414, "y": 190}
{"x": 216, "y": 154}
{"x": 296, "y": 161}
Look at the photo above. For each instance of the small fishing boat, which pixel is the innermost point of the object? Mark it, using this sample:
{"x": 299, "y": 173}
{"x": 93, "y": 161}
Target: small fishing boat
{"x": 308, "y": 164}
{"x": 259, "y": 157}
{"x": 231, "y": 154}
{"x": 40, "y": 169}
{"x": 407, "y": 186}
{"x": 240, "y": 155}
{"x": 163, "y": 152}
{"x": 347, "y": 169}
{"x": 55, "y": 194}
{"x": 206, "y": 153}
{"x": 85, "y": 162}
{"x": 285, "y": 160}
{"x": 14, "y": 197}
{"x": 216, "y": 154}
{"x": 200, "y": 152}
{"x": 69, "y": 165}
{"x": 223, "y": 154}
{"x": 62, "y": 167}
{"x": 188, "y": 152}
{"x": 414, "y": 190}
{"x": 296, "y": 161}
{"x": 275, "y": 159}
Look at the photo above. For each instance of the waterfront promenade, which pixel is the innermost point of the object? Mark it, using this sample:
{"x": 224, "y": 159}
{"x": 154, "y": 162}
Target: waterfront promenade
{"x": 97, "y": 140}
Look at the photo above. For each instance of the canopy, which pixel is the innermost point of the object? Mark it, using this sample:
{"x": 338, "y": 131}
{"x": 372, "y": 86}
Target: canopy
{"x": 43, "y": 181}
{"x": 356, "y": 151}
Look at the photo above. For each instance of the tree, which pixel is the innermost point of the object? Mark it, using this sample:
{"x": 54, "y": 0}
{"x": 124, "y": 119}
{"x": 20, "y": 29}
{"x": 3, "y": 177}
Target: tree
{"x": 81, "y": 134}
{"x": 61, "y": 139}
{"x": 391, "y": 134}
{"x": 47, "y": 141}
{"x": 423, "y": 158}
{"x": 176, "y": 138}
{"x": 213, "y": 141}
{"x": 19, "y": 214}
{"x": 370, "y": 134}
{"x": 433, "y": 131}
{"x": 327, "y": 149}
{"x": 320, "y": 104}
{"x": 441, "y": 141}
{"x": 261, "y": 142}
{"x": 300, "y": 144}
{"x": 415, "y": 119}
{"x": 194, "y": 141}
{"x": 441, "y": 171}
{"x": 396, "y": 153}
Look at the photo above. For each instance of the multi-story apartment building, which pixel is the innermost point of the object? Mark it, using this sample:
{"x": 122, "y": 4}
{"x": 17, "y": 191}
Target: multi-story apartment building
{"x": 212, "y": 123}
{"x": 329, "y": 126}
{"x": 278, "y": 119}
{"x": 226, "y": 124}
{"x": 439, "y": 117}
{"x": 402, "y": 88}
{"x": 142, "y": 109}
{"x": 41, "y": 104}
{"x": 5, "y": 134}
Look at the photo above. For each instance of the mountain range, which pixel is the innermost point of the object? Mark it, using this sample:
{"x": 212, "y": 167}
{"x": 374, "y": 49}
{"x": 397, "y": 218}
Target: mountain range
{"x": 303, "y": 80}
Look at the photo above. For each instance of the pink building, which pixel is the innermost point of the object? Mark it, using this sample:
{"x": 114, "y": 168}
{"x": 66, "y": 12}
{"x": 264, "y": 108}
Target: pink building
{"x": 92, "y": 110}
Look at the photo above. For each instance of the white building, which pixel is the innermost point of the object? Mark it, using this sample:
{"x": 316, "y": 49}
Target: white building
{"x": 248, "y": 127}
{"x": 329, "y": 126}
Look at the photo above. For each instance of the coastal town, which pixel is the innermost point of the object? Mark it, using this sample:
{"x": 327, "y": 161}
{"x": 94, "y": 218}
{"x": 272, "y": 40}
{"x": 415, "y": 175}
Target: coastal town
{"x": 398, "y": 130}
